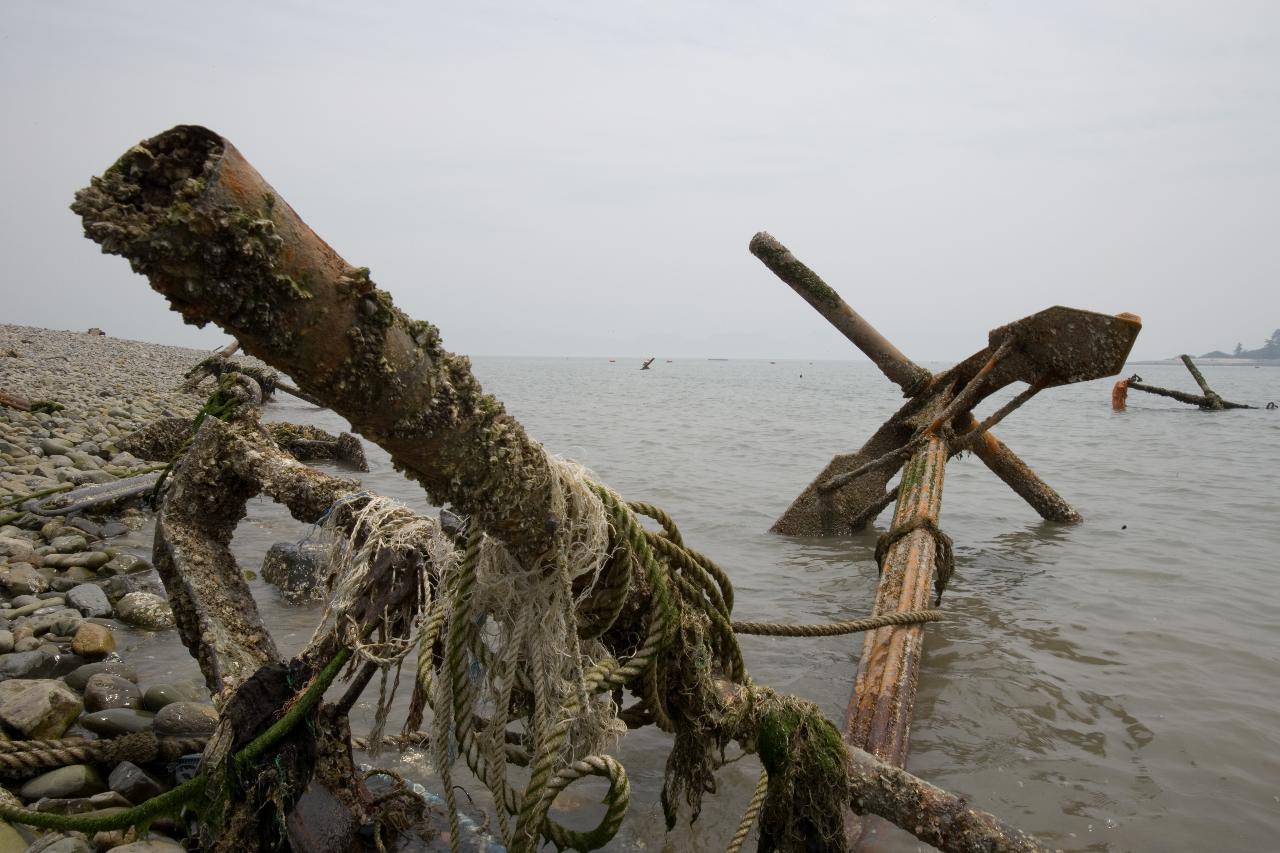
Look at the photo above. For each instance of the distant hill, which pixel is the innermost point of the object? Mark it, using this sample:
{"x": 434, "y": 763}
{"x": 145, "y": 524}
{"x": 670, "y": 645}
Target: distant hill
{"x": 1270, "y": 349}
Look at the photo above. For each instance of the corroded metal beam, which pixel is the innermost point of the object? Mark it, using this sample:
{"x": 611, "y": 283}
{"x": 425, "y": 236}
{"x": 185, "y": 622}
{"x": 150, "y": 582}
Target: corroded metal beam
{"x": 879, "y": 714}
{"x": 878, "y": 719}
{"x": 190, "y": 213}
{"x": 902, "y": 371}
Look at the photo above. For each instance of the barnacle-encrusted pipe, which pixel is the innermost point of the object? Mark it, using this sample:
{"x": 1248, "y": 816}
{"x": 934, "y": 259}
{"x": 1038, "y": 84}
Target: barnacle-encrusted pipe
{"x": 191, "y": 214}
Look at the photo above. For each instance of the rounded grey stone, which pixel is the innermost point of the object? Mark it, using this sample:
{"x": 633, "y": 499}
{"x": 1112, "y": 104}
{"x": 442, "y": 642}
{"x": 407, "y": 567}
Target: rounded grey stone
{"x": 105, "y": 691}
{"x": 186, "y": 719}
{"x": 117, "y": 721}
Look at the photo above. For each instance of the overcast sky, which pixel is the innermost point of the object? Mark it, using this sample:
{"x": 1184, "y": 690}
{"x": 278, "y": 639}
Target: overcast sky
{"x": 551, "y": 178}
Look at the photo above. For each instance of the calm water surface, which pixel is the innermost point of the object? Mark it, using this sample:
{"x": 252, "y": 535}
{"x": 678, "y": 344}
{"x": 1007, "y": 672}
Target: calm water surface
{"x": 1108, "y": 686}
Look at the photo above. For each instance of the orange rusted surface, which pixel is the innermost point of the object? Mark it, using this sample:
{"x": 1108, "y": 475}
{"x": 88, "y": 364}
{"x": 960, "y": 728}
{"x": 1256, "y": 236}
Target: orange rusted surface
{"x": 879, "y": 715}
{"x": 1119, "y": 394}
{"x": 878, "y": 719}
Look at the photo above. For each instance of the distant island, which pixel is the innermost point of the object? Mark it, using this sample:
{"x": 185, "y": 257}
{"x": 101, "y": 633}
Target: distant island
{"x": 1269, "y": 350}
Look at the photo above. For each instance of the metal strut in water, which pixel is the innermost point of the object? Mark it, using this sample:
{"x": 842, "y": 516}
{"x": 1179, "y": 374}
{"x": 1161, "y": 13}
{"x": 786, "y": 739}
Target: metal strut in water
{"x": 1210, "y": 401}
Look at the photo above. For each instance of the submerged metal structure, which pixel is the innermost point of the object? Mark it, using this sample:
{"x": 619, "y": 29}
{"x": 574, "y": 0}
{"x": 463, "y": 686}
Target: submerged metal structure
{"x": 1055, "y": 347}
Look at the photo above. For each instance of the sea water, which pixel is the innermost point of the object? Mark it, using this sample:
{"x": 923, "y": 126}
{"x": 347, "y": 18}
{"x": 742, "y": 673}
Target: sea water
{"x": 1112, "y": 685}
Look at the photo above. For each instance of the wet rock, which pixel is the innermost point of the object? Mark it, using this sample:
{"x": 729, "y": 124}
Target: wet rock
{"x": 104, "y": 691}
{"x": 44, "y": 710}
{"x": 159, "y": 695}
{"x": 84, "y": 560}
{"x": 59, "y": 622}
{"x": 93, "y": 640}
{"x": 55, "y": 446}
{"x": 22, "y": 578}
{"x": 186, "y": 719}
{"x": 296, "y": 570}
{"x": 70, "y": 544}
{"x": 145, "y": 610}
{"x": 320, "y": 822}
{"x": 32, "y": 664}
{"x": 66, "y": 662}
{"x": 59, "y": 843}
{"x": 109, "y": 800}
{"x": 14, "y": 686}
{"x": 123, "y": 564}
{"x": 79, "y": 678}
{"x": 133, "y": 783}
{"x": 74, "y": 780}
{"x": 28, "y": 644}
{"x": 112, "y": 529}
{"x": 117, "y": 721}
{"x": 86, "y": 526}
{"x": 118, "y": 586}
{"x": 90, "y": 600}
{"x": 81, "y": 805}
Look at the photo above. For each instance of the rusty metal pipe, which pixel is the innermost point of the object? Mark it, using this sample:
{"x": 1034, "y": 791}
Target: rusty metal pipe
{"x": 902, "y": 371}
{"x": 193, "y": 215}
{"x": 1198, "y": 376}
{"x": 878, "y": 719}
{"x": 1206, "y": 403}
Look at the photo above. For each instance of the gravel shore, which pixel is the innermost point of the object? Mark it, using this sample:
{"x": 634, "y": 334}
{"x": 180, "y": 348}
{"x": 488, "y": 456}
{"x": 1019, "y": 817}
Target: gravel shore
{"x": 71, "y": 584}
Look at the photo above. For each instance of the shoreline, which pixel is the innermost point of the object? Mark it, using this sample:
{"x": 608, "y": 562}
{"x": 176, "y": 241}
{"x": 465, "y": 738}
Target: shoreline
{"x": 74, "y": 589}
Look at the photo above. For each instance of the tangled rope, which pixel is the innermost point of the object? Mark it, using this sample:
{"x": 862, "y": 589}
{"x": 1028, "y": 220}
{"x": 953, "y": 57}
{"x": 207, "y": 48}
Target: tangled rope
{"x": 944, "y": 552}
{"x": 483, "y": 665}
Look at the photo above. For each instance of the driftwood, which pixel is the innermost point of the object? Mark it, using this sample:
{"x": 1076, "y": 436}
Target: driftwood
{"x": 14, "y": 401}
{"x": 829, "y": 511}
{"x": 190, "y": 213}
{"x": 1211, "y": 401}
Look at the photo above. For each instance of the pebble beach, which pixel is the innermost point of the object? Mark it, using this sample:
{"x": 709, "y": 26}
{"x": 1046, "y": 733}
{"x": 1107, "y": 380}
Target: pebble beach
{"x": 75, "y": 588}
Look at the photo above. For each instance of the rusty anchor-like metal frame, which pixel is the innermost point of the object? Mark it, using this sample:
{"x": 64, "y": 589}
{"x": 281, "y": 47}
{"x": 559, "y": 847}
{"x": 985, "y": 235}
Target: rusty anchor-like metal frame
{"x": 1057, "y": 346}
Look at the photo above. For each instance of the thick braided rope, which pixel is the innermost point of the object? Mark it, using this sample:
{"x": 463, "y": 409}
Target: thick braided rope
{"x": 426, "y": 651}
{"x": 945, "y": 557}
{"x": 536, "y": 802}
{"x": 140, "y": 747}
{"x": 454, "y": 683}
{"x": 834, "y": 629}
{"x": 749, "y": 816}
